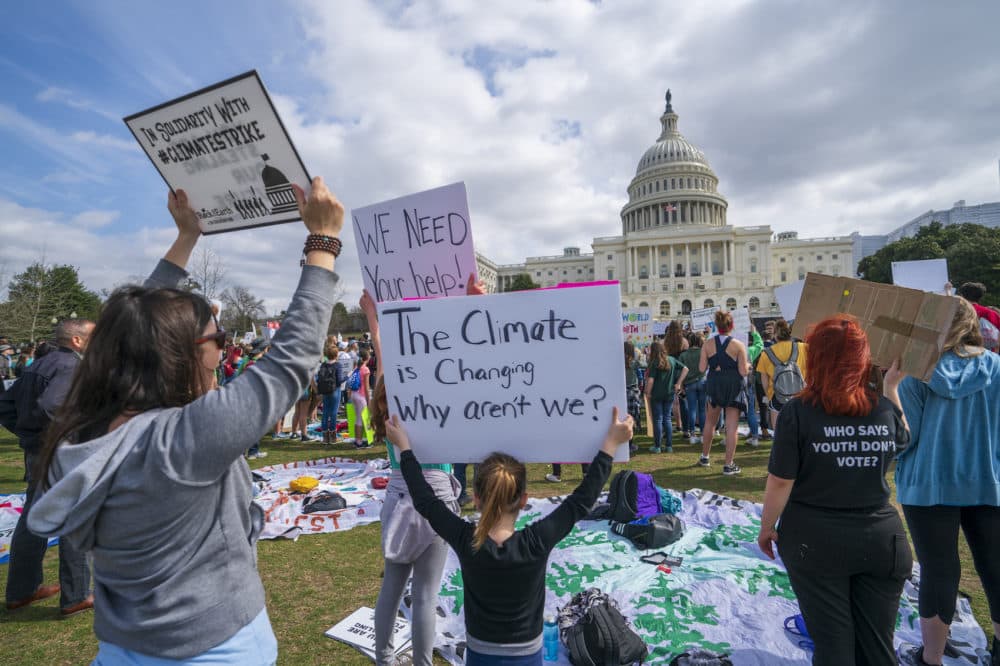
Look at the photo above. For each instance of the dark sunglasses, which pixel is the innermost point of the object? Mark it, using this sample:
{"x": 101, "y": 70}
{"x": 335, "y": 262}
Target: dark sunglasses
{"x": 219, "y": 337}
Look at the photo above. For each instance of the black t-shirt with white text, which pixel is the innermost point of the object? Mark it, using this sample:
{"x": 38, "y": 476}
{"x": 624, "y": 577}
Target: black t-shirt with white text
{"x": 837, "y": 462}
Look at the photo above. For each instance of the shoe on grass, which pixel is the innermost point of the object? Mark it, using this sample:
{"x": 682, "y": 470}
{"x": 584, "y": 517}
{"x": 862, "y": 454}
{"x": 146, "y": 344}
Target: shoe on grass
{"x": 85, "y": 605}
{"x": 730, "y": 470}
{"x": 669, "y": 449}
{"x": 552, "y": 478}
{"x": 703, "y": 461}
{"x": 655, "y": 449}
{"x": 754, "y": 442}
{"x": 694, "y": 440}
{"x": 43, "y": 592}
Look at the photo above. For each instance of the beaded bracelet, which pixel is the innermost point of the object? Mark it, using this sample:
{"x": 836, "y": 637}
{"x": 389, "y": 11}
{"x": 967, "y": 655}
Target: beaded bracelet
{"x": 329, "y": 244}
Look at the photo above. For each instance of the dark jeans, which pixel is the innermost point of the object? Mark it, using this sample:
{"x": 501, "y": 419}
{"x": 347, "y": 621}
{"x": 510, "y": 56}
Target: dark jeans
{"x": 935, "y": 538}
{"x": 847, "y": 569}
{"x": 331, "y": 405}
{"x": 557, "y": 468}
{"x": 24, "y": 573}
{"x": 682, "y": 406}
{"x": 663, "y": 430}
{"x": 696, "y": 403}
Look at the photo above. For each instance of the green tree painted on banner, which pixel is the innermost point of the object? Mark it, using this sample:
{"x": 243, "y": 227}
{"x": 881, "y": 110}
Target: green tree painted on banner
{"x": 570, "y": 578}
{"x": 454, "y": 587}
{"x": 668, "y": 626}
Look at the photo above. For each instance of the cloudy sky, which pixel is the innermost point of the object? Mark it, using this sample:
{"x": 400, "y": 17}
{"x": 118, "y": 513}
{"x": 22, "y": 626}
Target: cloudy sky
{"x": 825, "y": 118}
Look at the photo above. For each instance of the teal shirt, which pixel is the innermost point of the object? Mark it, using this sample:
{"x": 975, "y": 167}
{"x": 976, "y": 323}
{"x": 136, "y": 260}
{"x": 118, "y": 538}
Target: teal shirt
{"x": 394, "y": 463}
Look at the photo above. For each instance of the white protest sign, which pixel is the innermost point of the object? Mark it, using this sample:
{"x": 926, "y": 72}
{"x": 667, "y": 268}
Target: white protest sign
{"x": 637, "y": 326}
{"x": 788, "y": 297}
{"x": 248, "y": 338}
{"x": 227, "y": 148}
{"x": 660, "y": 327}
{"x": 703, "y": 317}
{"x": 532, "y": 373}
{"x": 925, "y": 275}
{"x": 417, "y": 246}
{"x": 358, "y": 631}
{"x": 741, "y": 324}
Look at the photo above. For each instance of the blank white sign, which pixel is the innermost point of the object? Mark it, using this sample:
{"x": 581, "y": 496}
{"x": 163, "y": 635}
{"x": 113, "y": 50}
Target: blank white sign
{"x": 924, "y": 274}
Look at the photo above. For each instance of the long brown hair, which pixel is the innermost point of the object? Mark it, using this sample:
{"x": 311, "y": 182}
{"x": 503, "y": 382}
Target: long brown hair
{"x": 658, "y": 356}
{"x": 839, "y": 363}
{"x": 673, "y": 340}
{"x": 378, "y": 409}
{"x": 500, "y": 483}
{"x": 142, "y": 355}
{"x": 964, "y": 337}
{"x": 629, "y": 354}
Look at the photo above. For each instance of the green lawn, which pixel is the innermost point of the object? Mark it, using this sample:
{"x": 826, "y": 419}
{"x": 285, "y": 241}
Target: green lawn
{"x": 314, "y": 582}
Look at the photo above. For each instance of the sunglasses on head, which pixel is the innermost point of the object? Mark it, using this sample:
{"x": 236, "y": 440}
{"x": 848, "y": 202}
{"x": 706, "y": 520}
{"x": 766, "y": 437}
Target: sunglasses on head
{"x": 219, "y": 337}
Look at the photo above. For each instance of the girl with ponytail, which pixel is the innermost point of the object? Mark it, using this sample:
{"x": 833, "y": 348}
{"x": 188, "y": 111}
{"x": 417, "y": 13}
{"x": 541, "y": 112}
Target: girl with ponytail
{"x": 503, "y": 568}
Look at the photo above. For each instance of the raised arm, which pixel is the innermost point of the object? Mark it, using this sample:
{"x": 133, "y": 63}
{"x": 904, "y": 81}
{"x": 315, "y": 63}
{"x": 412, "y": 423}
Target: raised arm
{"x": 203, "y": 438}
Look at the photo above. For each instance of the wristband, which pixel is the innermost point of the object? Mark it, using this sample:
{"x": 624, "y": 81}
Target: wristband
{"x": 317, "y": 242}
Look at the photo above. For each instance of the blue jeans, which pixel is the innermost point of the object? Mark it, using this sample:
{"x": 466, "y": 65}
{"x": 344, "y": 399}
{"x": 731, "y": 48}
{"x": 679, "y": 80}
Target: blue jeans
{"x": 331, "y": 404}
{"x": 696, "y": 403}
{"x": 473, "y": 658}
{"x": 253, "y": 645}
{"x": 752, "y": 419}
{"x": 662, "y": 421}
{"x": 682, "y": 408}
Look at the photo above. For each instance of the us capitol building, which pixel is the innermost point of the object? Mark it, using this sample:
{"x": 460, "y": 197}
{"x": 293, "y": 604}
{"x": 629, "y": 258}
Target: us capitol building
{"x": 677, "y": 250}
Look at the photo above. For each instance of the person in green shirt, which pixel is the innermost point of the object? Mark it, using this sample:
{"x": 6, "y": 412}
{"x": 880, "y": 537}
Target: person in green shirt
{"x": 694, "y": 387}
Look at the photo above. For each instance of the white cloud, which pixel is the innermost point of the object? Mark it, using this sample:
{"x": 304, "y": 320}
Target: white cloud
{"x": 95, "y": 219}
{"x": 74, "y": 101}
{"x": 105, "y": 141}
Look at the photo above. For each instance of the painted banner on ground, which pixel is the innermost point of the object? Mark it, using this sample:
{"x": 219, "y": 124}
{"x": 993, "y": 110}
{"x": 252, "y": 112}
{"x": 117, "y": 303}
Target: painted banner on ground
{"x": 10, "y": 511}
{"x": 637, "y": 326}
{"x": 417, "y": 246}
{"x": 726, "y": 596}
{"x": 283, "y": 514}
{"x": 227, "y": 148}
{"x": 531, "y": 373}
{"x": 924, "y": 274}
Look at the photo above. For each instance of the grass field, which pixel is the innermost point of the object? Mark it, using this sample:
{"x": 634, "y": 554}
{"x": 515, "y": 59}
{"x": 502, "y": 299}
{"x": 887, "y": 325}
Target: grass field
{"x": 313, "y": 583}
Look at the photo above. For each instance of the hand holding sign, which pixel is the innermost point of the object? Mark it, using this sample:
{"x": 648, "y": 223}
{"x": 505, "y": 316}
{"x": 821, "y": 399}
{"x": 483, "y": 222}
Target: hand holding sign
{"x": 184, "y": 216}
{"x": 396, "y": 433}
{"x": 619, "y": 432}
{"x": 321, "y": 212}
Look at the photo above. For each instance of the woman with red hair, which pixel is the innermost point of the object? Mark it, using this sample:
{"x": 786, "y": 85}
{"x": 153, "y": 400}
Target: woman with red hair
{"x": 842, "y": 542}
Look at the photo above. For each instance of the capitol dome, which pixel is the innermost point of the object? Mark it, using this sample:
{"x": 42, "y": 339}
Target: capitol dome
{"x": 673, "y": 184}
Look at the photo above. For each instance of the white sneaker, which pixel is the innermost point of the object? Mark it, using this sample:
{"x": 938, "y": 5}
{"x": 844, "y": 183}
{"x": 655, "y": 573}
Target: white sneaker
{"x": 552, "y": 478}
{"x": 694, "y": 439}
{"x": 753, "y": 442}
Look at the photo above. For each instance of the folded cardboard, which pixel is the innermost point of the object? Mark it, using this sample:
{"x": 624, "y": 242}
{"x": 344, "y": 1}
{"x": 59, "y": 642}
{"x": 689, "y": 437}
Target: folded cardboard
{"x": 902, "y": 324}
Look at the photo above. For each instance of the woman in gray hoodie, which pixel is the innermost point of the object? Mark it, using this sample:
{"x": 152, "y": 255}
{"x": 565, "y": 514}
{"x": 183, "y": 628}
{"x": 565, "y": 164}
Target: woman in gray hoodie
{"x": 144, "y": 465}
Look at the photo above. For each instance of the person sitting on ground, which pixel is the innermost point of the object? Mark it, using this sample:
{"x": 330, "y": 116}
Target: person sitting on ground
{"x": 144, "y": 465}
{"x": 503, "y": 568}
{"x": 725, "y": 360}
{"x": 840, "y": 538}
{"x": 950, "y": 478}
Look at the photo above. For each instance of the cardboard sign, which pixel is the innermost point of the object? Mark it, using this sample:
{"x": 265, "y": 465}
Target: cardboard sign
{"x": 902, "y": 324}
{"x": 702, "y": 318}
{"x": 358, "y": 631}
{"x": 926, "y": 274}
{"x": 637, "y": 326}
{"x": 532, "y": 373}
{"x": 227, "y": 148}
{"x": 788, "y": 297}
{"x": 417, "y": 246}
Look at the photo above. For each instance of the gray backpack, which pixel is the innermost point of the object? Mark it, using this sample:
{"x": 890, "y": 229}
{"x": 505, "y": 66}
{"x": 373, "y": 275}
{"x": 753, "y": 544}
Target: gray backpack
{"x": 787, "y": 378}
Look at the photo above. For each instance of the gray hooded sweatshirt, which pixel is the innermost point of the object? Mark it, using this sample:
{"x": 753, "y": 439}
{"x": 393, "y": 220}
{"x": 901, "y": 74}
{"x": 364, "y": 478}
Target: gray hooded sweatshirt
{"x": 164, "y": 501}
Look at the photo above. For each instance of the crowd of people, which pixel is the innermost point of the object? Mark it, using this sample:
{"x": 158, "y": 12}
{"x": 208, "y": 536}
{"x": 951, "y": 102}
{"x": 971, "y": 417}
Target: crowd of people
{"x": 151, "y": 402}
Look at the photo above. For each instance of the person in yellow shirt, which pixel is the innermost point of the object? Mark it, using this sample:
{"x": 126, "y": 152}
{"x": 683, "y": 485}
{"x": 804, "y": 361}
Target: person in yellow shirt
{"x": 782, "y": 369}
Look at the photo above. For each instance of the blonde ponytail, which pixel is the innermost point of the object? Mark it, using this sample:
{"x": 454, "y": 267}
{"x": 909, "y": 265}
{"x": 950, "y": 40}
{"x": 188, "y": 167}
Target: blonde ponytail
{"x": 500, "y": 483}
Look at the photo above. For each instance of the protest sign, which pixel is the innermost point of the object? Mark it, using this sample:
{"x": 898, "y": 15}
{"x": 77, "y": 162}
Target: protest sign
{"x": 902, "y": 324}
{"x": 788, "y": 297}
{"x": 741, "y": 324}
{"x": 659, "y": 328}
{"x": 417, "y": 246}
{"x": 532, "y": 373}
{"x": 702, "y": 318}
{"x": 925, "y": 274}
{"x": 358, "y": 631}
{"x": 227, "y": 148}
{"x": 637, "y": 326}
{"x": 248, "y": 338}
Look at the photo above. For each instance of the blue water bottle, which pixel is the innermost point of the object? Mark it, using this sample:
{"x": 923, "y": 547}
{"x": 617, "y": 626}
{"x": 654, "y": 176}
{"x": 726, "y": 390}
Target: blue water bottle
{"x": 550, "y": 638}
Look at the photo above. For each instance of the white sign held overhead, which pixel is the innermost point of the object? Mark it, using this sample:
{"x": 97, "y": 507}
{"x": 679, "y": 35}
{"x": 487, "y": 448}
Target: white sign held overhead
{"x": 741, "y": 324}
{"x": 417, "y": 246}
{"x": 788, "y": 297}
{"x": 532, "y": 373}
{"x": 702, "y": 318}
{"x": 925, "y": 274}
{"x": 227, "y": 148}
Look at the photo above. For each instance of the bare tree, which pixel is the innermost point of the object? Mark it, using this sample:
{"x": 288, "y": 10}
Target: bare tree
{"x": 208, "y": 270}
{"x": 240, "y": 308}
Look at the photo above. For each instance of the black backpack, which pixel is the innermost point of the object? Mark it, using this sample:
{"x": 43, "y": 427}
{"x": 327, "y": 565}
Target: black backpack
{"x": 623, "y": 495}
{"x": 328, "y": 378}
{"x": 654, "y": 532}
{"x": 602, "y": 636}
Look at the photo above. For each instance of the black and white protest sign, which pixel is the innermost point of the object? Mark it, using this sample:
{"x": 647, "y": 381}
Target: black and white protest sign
{"x": 533, "y": 373}
{"x": 417, "y": 246}
{"x": 227, "y": 148}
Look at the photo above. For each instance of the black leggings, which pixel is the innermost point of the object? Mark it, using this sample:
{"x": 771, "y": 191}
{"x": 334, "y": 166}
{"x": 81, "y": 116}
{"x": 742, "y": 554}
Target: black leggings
{"x": 934, "y": 530}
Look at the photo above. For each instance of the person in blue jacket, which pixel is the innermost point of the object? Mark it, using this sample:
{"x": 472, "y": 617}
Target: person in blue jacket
{"x": 949, "y": 477}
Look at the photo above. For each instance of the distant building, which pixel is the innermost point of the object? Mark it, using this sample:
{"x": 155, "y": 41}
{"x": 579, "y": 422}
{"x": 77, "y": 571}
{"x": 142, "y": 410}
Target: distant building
{"x": 677, "y": 250}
